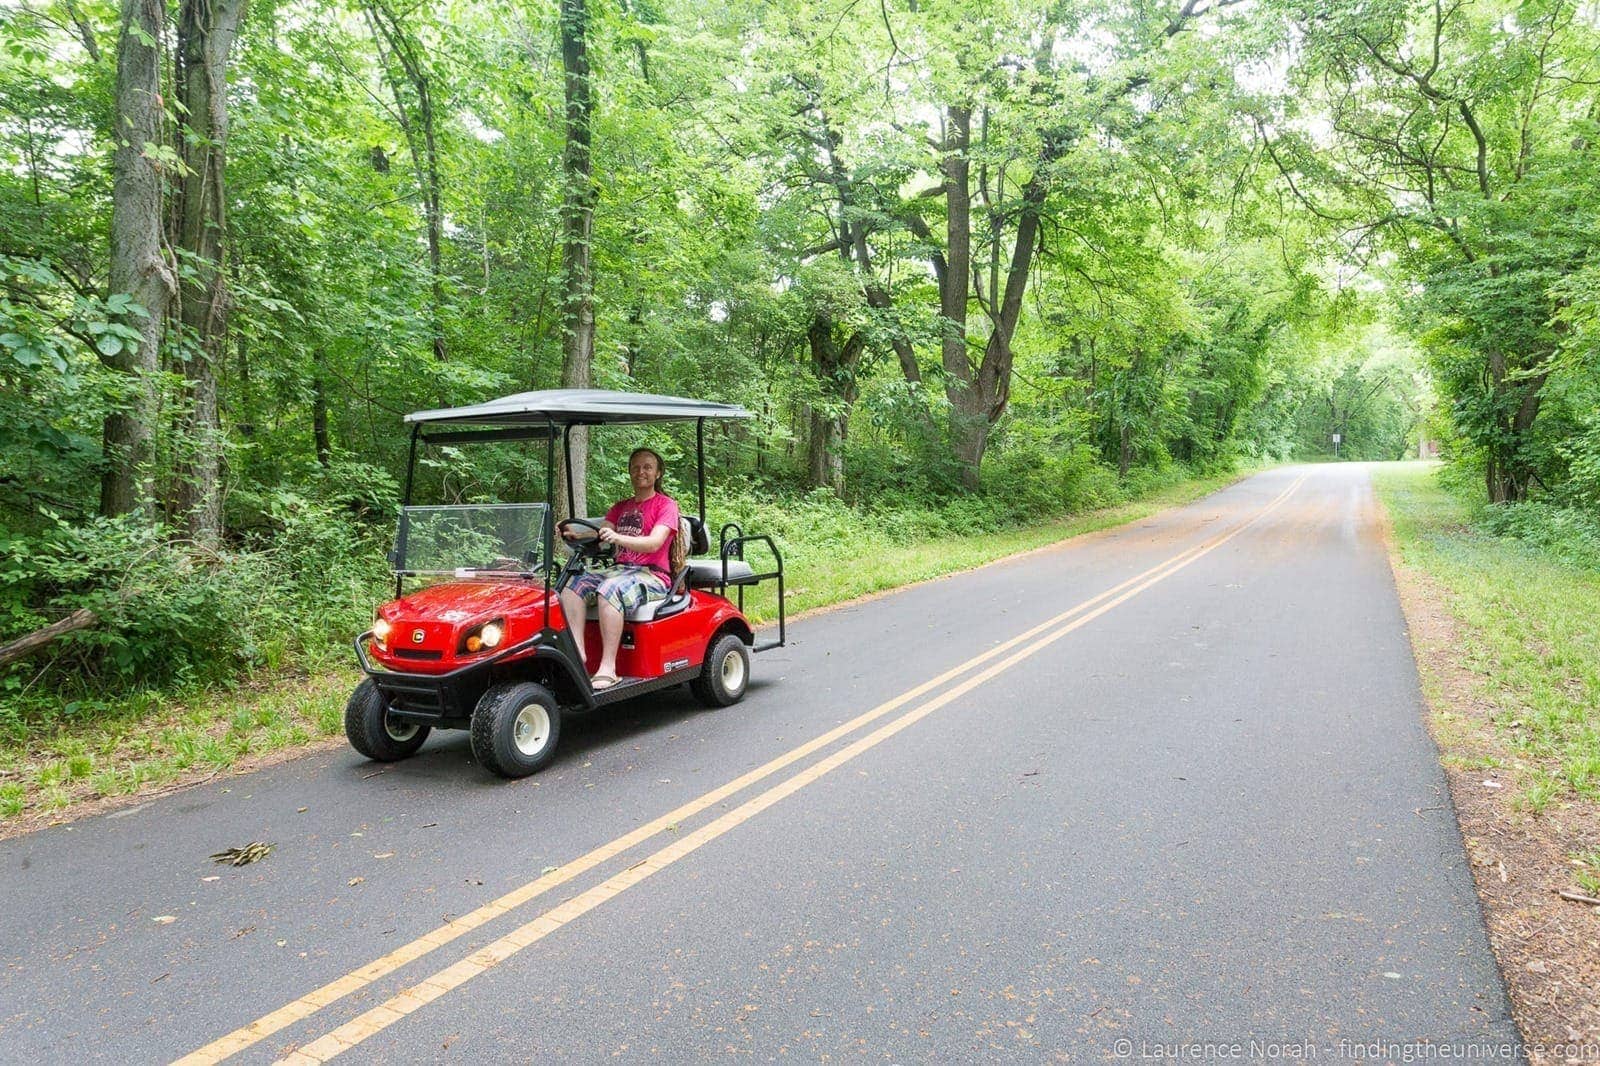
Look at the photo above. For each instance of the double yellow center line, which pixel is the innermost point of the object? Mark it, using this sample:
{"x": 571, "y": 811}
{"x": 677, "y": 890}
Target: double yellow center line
{"x": 426, "y": 991}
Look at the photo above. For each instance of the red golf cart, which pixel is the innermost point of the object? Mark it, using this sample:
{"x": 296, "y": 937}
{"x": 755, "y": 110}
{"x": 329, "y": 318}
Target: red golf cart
{"x": 481, "y": 641}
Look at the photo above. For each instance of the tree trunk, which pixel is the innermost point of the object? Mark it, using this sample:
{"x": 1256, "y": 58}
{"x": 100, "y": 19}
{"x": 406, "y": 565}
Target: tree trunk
{"x": 577, "y": 282}
{"x": 1508, "y": 473}
{"x": 824, "y": 461}
{"x": 968, "y": 433}
{"x": 835, "y": 366}
{"x": 206, "y": 30}
{"x": 137, "y": 263}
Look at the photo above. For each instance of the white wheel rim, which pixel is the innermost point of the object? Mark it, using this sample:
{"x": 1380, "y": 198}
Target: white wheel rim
{"x": 531, "y": 731}
{"x": 733, "y": 671}
{"x": 399, "y": 731}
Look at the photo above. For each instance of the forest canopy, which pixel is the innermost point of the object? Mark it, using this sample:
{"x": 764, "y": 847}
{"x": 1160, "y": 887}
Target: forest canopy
{"x": 989, "y": 256}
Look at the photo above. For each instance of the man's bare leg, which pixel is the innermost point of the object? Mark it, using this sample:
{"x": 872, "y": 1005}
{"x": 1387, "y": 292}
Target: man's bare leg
{"x": 573, "y": 608}
{"x": 610, "y": 639}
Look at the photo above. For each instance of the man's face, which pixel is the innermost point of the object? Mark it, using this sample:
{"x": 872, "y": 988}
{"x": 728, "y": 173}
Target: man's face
{"x": 642, "y": 470}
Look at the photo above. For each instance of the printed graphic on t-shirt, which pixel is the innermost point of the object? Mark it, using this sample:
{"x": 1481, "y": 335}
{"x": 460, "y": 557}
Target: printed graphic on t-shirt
{"x": 630, "y": 523}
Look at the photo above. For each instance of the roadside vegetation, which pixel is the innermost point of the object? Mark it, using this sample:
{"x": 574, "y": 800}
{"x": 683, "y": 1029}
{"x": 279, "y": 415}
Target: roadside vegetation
{"x": 249, "y": 692}
{"x": 1523, "y": 582}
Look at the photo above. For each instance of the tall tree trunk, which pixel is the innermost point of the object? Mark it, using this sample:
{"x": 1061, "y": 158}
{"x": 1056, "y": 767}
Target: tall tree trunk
{"x": 577, "y": 281}
{"x": 835, "y": 365}
{"x": 138, "y": 266}
{"x": 206, "y": 30}
{"x": 419, "y": 133}
{"x": 968, "y": 433}
{"x": 824, "y": 461}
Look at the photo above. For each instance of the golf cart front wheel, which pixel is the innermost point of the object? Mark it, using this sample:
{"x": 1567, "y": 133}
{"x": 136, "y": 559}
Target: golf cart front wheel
{"x": 374, "y": 732}
{"x": 724, "y": 674}
{"x": 515, "y": 728}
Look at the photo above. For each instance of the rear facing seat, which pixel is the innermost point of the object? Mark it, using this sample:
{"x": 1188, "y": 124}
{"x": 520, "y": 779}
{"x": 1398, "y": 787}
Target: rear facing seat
{"x": 707, "y": 573}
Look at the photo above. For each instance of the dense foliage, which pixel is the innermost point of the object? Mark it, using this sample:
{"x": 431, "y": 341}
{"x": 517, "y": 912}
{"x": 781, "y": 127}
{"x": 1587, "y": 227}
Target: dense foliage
{"x": 968, "y": 263}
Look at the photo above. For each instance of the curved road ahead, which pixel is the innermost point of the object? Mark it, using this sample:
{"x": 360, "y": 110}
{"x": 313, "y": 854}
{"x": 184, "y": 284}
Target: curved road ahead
{"x": 1165, "y": 783}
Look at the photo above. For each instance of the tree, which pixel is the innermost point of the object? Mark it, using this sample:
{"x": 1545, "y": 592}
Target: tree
{"x": 577, "y": 280}
{"x": 206, "y": 31}
{"x": 1458, "y": 134}
{"x": 139, "y": 266}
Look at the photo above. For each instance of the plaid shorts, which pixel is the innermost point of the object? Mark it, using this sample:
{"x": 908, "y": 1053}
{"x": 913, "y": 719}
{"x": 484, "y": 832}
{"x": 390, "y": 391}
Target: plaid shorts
{"x": 624, "y": 587}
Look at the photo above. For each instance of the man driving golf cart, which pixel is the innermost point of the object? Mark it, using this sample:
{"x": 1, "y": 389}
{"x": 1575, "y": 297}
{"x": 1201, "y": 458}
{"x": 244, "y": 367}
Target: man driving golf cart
{"x": 494, "y": 636}
{"x": 642, "y": 531}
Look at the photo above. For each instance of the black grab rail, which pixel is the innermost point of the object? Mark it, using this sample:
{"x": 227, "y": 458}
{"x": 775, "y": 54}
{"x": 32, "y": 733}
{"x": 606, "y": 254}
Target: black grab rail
{"x": 733, "y": 548}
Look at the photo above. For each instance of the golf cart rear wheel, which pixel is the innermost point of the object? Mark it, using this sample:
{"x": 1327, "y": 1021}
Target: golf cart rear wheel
{"x": 724, "y": 674}
{"x": 515, "y": 728}
{"x": 374, "y": 732}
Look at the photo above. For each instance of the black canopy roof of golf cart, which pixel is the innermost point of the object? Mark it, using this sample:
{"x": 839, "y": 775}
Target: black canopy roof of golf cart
{"x": 576, "y": 407}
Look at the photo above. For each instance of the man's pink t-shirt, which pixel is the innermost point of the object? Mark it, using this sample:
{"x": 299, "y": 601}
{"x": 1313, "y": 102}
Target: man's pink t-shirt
{"x": 634, "y": 519}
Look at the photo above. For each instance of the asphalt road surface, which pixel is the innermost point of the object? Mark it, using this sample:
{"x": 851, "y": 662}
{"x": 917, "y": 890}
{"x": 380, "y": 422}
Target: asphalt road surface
{"x": 1163, "y": 784}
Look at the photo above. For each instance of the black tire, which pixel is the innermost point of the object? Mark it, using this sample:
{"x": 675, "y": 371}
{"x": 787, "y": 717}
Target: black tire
{"x": 725, "y": 674}
{"x": 373, "y": 733}
{"x": 515, "y": 728}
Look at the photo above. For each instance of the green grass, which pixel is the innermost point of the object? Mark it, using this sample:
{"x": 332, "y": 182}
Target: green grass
{"x": 149, "y": 743}
{"x": 1529, "y": 625}
{"x": 1588, "y": 871}
{"x": 152, "y": 738}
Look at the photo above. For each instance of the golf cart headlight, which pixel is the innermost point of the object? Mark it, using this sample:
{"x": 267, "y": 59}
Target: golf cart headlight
{"x": 484, "y": 637}
{"x": 380, "y": 630}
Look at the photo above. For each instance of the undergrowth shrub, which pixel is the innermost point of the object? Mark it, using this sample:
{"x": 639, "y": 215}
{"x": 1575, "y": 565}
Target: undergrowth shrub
{"x": 1569, "y": 533}
{"x": 173, "y": 612}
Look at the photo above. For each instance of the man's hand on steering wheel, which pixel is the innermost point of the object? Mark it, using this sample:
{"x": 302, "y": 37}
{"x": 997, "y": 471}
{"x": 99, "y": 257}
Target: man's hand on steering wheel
{"x": 596, "y": 547}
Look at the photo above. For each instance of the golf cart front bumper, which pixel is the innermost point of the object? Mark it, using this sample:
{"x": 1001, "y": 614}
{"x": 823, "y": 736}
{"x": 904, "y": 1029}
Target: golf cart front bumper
{"x": 446, "y": 699}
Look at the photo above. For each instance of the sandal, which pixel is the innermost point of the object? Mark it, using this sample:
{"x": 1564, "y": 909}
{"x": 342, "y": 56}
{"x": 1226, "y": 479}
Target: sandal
{"x": 602, "y": 681}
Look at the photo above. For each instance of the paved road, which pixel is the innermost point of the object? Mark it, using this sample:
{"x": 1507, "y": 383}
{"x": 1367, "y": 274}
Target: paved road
{"x": 1203, "y": 806}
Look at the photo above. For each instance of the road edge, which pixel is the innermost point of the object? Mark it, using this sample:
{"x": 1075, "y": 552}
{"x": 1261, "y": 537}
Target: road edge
{"x": 1452, "y": 714}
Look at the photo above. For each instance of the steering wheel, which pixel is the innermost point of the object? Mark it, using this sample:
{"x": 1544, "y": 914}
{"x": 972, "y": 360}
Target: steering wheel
{"x": 593, "y": 547}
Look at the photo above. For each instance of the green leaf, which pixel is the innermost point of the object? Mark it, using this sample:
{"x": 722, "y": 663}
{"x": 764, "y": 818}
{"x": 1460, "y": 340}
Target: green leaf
{"x": 109, "y": 344}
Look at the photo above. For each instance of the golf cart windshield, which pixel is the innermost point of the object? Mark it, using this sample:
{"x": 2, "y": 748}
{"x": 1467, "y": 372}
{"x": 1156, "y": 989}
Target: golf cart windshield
{"x": 501, "y": 538}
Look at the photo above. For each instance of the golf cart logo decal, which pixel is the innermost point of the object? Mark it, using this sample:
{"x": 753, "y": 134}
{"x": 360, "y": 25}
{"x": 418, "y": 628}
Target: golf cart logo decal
{"x": 675, "y": 664}
{"x": 416, "y": 636}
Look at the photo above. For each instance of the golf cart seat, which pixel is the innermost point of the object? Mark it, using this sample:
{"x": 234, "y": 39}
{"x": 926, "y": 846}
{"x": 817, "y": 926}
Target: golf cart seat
{"x": 707, "y": 573}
